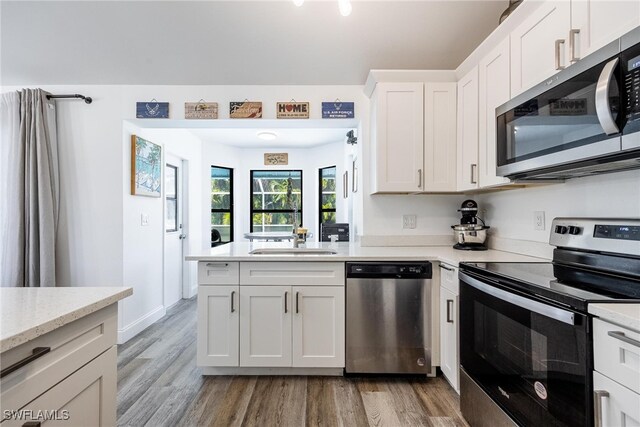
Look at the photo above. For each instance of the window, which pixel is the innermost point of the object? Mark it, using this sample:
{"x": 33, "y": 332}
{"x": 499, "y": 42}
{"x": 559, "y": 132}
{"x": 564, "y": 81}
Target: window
{"x": 276, "y": 199}
{"x": 171, "y": 198}
{"x": 221, "y": 205}
{"x": 327, "y": 196}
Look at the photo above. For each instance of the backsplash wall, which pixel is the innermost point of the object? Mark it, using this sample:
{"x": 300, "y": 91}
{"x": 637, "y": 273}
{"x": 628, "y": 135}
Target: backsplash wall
{"x": 511, "y": 213}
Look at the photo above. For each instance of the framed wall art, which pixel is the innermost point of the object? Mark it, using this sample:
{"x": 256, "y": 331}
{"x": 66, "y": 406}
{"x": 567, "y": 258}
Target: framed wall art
{"x": 146, "y": 168}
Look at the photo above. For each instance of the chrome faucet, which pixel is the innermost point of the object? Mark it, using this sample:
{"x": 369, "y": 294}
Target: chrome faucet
{"x": 296, "y": 238}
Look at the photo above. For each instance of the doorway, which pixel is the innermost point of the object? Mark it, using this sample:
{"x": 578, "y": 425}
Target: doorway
{"x": 175, "y": 236}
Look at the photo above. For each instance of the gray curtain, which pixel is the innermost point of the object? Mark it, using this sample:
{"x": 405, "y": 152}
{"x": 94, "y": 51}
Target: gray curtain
{"x": 29, "y": 189}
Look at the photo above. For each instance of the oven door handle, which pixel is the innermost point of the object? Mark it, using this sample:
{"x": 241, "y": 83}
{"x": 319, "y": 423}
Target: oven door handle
{"x": 546, "y": 310}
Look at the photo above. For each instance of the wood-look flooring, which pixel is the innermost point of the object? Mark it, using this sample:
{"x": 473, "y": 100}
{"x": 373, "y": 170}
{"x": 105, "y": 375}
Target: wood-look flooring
{"x": 160, "y": 385}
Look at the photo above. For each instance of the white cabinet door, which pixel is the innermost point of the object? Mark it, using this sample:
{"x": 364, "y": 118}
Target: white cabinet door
{"x": 539, "y": 45}
{"x": 85, "y": 398}
{"x": 318, "y": 326}
{"x": 595, "y": 23}
{"x": 398, "y": 137}
{"x": 449, "y": 361}
{"x": 265, "y": 326}
{"x": 620, "y": 405}
{"x": 494, "y": 91}
{"x": 218, "y": 325}
{"x": 440, "y": 137}
{"x": 467, "y": 157}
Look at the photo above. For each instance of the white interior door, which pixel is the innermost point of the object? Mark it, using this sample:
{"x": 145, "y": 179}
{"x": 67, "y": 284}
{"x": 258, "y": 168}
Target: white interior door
{"x": 174, "y": 236}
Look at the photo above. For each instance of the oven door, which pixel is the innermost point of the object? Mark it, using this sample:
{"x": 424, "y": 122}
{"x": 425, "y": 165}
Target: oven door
{"x": 530, "y": 357}
{"x": 572, "y": 117}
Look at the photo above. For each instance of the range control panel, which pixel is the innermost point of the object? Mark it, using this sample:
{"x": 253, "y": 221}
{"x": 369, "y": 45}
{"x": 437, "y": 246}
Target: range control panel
{"x": 614, "y": 235}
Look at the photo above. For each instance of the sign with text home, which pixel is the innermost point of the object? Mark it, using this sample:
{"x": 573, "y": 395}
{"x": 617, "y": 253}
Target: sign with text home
{"x": 292, "y": 110}
{"x": 245, "y": 110}
{"x": 338, "y": 110}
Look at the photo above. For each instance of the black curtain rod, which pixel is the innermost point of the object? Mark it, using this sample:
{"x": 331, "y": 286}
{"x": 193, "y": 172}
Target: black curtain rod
{"x": 86, "y": 99}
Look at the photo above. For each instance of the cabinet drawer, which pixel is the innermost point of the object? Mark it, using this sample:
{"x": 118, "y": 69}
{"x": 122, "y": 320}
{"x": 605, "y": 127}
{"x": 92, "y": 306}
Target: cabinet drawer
{"x": 72, "y": 346}
{"x": 613, "y": 356}
{"x": 218, "y": 273}
{"x": 449, "y": 278}
{"x": 619, "y": 404}
{"x": 292, "y": 273}
{"x": 86, "y": 398}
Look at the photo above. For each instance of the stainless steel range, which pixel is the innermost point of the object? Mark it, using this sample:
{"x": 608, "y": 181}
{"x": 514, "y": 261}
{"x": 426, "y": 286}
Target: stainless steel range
{"x": 525, "y": 335}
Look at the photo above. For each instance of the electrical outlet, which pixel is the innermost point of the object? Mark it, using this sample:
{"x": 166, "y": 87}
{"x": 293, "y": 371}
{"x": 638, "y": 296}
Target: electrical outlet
{"x": 409, "y": 221}
{"x": 538, "y": 220}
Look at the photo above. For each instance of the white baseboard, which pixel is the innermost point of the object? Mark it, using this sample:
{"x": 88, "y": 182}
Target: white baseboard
{"x": 139, "y": 325}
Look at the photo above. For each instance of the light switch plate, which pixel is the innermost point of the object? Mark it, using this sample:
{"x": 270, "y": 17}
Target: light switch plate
{"x": 538, "y": 220}
{"x": 144, "y": 219}
{"x": 409, "y": 221}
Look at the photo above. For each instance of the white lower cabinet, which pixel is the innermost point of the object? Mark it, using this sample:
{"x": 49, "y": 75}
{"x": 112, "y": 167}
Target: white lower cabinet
{"x": 218, "y": 325}
{"x": 265, "y": 326}
{"x": 449, "y": 353}
{"x": 318, "y": 326}
{"x": 618, "y": 405}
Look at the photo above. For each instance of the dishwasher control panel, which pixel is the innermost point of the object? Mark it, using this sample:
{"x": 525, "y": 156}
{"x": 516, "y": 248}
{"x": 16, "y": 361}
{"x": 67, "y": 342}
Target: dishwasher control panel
{"x": 392, "y": 270}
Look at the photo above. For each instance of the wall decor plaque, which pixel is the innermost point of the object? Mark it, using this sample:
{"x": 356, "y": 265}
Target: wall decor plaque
{"x": 338, "y": 110}
{"x": 146, "y": 167}
{"x": 201, "y": 110}
{"x": 276, "y": 159}
{"x": 152, "y": 110}
{"x": 245, "y": 110}
{"x": 292, "y": 110}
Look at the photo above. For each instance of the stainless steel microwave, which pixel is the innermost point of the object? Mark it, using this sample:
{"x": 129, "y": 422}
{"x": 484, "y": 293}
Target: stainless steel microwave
{"x": 583, "y": 121}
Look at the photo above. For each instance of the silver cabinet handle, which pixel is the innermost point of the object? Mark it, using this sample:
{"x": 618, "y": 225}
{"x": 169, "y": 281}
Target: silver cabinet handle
{"x": 444, "y": 267}
{"x": 285, "y": 302}
{"x": 474, "y": 167}
{"x": 217, "y": 264}
{"x": 232, "y": 295}
{"x": 297, "y": 303}
{"x": 572, "y": 45}
{"x": 559, "y": 42}
{"x": 449, "y": 307}
{"x": 419, "y": 178}
{"x": 603, "y": 109}
{"x": 619, "y": 335}
{"x": 597, "y": 406}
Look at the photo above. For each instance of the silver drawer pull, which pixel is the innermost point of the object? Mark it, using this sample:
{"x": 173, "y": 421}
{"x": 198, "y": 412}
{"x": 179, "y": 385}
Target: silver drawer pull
{"x": 449, "y": 309}
{"x": 597, "y": 406}
{"x": 217, "y": 264}
{"x": 619, "y": 335}
{"x": 445, "y": 268}
{"x": 233, "y": 293}
{"x": 36, "y": 353}
{"x": 559, "y": 42}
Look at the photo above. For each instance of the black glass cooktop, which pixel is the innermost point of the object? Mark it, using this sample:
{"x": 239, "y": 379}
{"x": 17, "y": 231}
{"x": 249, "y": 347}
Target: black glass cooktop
{"x": 575, "y": 287}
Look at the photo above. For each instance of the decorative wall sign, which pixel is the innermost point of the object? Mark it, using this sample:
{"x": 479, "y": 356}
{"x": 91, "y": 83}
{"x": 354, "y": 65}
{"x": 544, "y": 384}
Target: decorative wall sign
{"x": 338, "y": 110}
{"x": 201, "y": 110}
{"x": 274, "y": 159}
{"x": 152, "y": 110}
{"x": 146, "y": 167}
{"x": 292, "y": 110}
{"x": 245, "y": 110}
{"x": 568, "y": 107}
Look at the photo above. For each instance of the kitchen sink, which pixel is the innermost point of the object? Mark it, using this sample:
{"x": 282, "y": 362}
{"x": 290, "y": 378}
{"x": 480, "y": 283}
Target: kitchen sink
{"x": 293, "y": 251}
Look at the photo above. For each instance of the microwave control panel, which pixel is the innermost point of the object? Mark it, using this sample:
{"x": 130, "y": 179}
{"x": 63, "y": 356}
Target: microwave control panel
{"x": 632, "y": 87}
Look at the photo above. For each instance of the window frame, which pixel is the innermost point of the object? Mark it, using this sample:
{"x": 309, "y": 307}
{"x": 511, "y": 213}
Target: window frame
{"x": 253, "y": 211}
{"x": 322, "y": 210}
{"x": 174, "y": 198}
{"x": 231, "y": 204}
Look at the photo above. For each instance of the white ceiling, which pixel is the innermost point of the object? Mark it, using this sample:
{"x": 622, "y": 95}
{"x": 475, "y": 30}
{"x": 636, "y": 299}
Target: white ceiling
{"x": 233, "y": 42}
{"x": 286, "y": 138}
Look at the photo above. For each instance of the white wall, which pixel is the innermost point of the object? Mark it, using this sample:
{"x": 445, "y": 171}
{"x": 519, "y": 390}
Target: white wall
{"x": 510, "y": 213}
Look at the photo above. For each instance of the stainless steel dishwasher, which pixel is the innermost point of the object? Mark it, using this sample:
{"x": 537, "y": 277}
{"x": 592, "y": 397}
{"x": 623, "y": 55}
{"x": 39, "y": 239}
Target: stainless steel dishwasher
{"x": 388, "y": 318}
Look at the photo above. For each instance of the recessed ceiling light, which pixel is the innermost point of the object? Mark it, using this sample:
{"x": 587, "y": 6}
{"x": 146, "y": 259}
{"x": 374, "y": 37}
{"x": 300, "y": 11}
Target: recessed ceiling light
{"x": 345, "y": 7}
{"x": 298, "y": 2}
{"x": 267, "y": 136}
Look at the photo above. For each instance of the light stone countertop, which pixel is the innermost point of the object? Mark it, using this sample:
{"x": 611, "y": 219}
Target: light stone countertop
{"x": 622, "y": 314}
{"x": 239, "y": 251}
{"x": 27, "y": 313}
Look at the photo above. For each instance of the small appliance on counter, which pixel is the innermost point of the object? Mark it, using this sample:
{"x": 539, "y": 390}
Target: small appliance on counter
{"x": 469, "y": 235}
{"x": 339, "y": 230}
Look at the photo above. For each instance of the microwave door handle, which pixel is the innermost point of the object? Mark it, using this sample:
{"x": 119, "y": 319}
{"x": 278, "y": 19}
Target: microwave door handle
{"x": 603, "y": 108}
{"x": 546, "y": 310}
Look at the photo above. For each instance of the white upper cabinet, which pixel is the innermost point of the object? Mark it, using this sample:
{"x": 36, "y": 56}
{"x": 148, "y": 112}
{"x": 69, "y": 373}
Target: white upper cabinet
{"x": 539, "y": 45}
{"x": 397, "y": 137}
{"x": 467, "y": 157}
{"x": 493, "y": 75}
{"x": 440, "y": 137}
{"x": 595, "y": 23}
